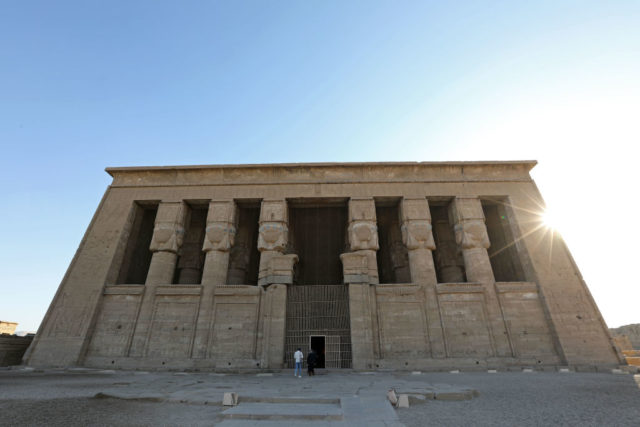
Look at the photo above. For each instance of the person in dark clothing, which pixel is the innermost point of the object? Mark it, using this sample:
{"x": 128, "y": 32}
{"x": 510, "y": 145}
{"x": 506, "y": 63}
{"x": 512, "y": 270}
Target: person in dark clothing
{"x": 312, "y": 359}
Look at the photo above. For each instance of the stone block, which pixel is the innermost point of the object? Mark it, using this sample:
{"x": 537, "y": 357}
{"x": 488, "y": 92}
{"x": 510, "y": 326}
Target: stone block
{"x": 230, "y": 399}
{"x": 392, "y": 397}
{"x": 403, "y": 401}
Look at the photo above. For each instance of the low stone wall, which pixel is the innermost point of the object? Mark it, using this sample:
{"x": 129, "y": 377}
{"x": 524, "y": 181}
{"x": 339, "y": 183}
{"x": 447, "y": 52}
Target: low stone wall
{"x": 12, "y": 348}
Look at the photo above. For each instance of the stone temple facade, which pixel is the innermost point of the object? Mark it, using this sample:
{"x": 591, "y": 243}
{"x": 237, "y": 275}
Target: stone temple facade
{"x": 374, "y": 265}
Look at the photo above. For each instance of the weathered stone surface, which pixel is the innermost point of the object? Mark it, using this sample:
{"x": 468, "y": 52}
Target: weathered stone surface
{"x": 453, "y": 314}
{"x": 230, "y": 399}
{"x": 12, "y": 348}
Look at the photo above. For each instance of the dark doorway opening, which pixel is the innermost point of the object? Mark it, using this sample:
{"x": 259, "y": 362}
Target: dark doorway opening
{"x": 318, "y": 237}
{"x": 317, "y": 345}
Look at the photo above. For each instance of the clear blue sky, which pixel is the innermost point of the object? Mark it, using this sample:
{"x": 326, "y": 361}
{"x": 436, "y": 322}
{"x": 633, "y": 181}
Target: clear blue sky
{"x": 90, "y": 84}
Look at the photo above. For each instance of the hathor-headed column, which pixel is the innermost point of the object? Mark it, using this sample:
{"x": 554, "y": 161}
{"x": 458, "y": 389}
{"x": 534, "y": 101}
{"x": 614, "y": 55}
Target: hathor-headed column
{"x": 363, "y": 240}
{"x": 473, "y": 240}
{"x": 168, "y": 235}
{"x": 220, "y": 233}
{"x": 275, "y": 273}
{"x": 360, "y": 272}
{"x": 272, "y": 234}
{"x": 418, "y": 238}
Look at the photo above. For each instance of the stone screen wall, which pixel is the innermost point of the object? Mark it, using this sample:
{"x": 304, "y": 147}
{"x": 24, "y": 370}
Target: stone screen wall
{"x": 397, "y": 266}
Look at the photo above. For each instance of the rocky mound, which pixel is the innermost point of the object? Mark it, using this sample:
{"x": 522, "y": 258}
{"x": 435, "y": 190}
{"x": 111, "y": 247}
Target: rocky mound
{"x": 631, "y": 331}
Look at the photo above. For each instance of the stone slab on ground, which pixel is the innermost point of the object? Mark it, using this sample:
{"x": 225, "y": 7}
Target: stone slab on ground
{"x": 279, "y": 423}
{"x": 368, "y": 409}
{"x": 284, "y": 411}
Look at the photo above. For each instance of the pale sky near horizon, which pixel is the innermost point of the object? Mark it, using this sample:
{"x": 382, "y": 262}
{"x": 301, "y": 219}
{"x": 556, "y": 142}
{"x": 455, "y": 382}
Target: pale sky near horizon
{"x": 89, "y": 84}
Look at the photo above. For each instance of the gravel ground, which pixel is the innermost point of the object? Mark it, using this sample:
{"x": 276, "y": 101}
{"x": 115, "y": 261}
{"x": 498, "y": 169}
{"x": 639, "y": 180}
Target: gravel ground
{"x": 105, "y": 412}
{"x": 534, "y": 399}
{"x": 64, "y": 398}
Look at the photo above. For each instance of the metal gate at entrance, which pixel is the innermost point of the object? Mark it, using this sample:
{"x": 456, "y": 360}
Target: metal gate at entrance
{"x": 319, "y": 311}
{"x": 318, "y": 302}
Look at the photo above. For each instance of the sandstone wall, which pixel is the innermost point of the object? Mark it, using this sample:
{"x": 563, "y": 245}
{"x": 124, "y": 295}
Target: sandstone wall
{"x": 12, "y": 348}
{"x": 548, "y": 318}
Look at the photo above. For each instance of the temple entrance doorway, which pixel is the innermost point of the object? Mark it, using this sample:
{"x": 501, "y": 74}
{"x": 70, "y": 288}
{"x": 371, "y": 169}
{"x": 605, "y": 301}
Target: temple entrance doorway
{"x": 318, "y": 300}
{"x": 316, "y": 343}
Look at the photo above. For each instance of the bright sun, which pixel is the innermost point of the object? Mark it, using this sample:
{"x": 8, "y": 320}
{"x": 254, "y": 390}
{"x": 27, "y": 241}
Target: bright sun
{"x": 550, "y": 220}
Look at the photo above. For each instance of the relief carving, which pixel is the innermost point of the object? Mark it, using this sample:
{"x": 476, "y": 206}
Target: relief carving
{"x": 363, "y": 235}
{"x": 167, "y": 237}
{"x": 219, "y": 236}
{"x": 472, "y": 234}
{"x": 272, "y": 236}
{"x": 273, "y": 232}
{"x": 416, "y": 234}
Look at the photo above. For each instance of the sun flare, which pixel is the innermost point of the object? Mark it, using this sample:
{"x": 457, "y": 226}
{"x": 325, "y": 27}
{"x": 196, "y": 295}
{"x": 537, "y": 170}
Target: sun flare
{"x": 551, "y": 219}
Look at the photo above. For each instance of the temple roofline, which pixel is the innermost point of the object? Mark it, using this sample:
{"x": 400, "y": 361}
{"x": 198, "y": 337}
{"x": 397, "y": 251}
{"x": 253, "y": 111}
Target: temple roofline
{"x": 528, "y": 164}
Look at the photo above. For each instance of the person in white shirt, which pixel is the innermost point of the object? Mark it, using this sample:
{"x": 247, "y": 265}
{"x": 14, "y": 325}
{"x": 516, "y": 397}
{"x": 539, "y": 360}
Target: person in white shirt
{"x": 298, "y": 356}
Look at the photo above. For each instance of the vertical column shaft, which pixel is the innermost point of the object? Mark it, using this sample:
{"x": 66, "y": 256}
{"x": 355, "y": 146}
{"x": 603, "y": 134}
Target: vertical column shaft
{"x": 275, "y": 273}
{"x": 360, "y": 272}
{"x": 167, "y": 238}
{"x": 219, "y": 238}
{"x": 473, "y": 240}
{"x": 417, "y": 235}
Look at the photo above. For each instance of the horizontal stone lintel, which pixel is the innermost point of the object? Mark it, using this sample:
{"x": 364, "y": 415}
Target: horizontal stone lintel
{"x": 276, "y": 280}
{"x": 397, "y": 289}
{"x": 356, "y": 278}
{"x": 124, "y": 290}
{"x": 237, "y": 290}
{"x": 454, "y": 288}
{"x": 525, "y": 287}
{"x": 179, "y": 290}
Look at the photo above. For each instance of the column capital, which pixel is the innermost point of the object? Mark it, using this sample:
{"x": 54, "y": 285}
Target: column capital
{"x": 273, "y": 231}
{"x": 362, "y": 232}
{"x": 415, "y": 220}
{"x": 168, "y": 232}
{"x": 221, "y": 226}
{"x": 470, "y": 229}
